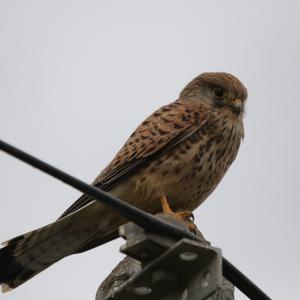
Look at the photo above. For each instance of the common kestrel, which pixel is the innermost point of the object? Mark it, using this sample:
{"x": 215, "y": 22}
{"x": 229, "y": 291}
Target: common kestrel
{"x": 179, "y": 153}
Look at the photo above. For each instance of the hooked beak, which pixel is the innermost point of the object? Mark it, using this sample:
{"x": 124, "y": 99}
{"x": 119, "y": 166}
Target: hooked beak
{"x": 235, "y": 105}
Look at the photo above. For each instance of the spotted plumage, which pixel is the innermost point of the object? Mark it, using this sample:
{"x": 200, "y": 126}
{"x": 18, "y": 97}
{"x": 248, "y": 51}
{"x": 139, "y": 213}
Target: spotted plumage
{"x": 181, "y": 151}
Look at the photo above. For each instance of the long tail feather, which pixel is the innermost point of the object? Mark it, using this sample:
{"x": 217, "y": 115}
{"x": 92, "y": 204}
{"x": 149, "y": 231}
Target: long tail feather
{"x": 27, "y": 255}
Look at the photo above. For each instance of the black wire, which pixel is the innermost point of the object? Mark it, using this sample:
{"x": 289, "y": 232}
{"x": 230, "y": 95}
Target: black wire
{"x": 136, "y": 215}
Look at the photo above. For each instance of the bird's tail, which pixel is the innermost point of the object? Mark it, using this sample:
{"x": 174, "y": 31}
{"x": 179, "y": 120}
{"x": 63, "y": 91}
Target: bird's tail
{"x": 26, "y": 255}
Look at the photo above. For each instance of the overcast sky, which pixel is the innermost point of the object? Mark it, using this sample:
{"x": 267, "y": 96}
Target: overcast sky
{"x": 76, "y": 78}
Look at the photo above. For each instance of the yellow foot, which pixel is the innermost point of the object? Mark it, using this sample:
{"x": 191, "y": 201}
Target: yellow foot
{"x": 186, "y": 216}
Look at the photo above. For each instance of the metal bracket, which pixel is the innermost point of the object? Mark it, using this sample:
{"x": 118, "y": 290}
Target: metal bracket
{"x": 170, "y": 270}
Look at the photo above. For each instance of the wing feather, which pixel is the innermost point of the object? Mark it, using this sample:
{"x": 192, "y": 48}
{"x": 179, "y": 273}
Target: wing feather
{"x": 163, "y": 130}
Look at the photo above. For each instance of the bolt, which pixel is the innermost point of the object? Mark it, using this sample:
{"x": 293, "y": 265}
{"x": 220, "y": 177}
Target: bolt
{"x": 188, "y": 256}
{"x": 143, "y": 290}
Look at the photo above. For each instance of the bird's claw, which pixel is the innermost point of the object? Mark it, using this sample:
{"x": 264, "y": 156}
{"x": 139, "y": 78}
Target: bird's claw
{"x": 186, "y": 216}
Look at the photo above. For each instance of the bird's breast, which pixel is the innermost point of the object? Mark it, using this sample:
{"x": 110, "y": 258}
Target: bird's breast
{"x": 186, "y": 174}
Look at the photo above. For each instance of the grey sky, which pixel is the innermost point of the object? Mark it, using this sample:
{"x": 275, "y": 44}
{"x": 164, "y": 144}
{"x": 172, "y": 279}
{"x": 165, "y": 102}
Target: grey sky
{"x": 76, "y": 77}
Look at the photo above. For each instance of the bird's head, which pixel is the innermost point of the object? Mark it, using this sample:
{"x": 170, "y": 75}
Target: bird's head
{"x": 219, "y": 89}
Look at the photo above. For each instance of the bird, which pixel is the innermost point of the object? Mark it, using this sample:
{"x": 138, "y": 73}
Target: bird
{"x": 172, "y": 162}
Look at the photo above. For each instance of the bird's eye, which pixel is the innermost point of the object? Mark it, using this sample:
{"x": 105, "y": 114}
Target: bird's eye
{"x": 219, "y": 92}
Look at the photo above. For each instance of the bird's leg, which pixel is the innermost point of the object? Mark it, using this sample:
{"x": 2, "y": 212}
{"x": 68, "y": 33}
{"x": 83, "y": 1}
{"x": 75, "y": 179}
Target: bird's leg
{"x": 186, "y": 216}
{"x": 165, "y": 205}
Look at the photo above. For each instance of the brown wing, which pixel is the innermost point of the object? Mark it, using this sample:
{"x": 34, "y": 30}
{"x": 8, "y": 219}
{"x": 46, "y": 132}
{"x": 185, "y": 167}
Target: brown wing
{"x": 161, "y": 131}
